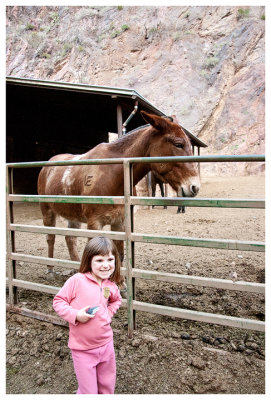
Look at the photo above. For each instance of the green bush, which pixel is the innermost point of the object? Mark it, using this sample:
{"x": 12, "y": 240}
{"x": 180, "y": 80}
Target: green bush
{"x": 115, "y": 34}
{"x": 66, "y": 48}
{"x": 101, "y": 37}
{"x": 176, "y": 36}
{"x": 46, "y": 55}
{"x": 125, "y": 28}
{"x": 243, "y": 12}
{"x": 54, "y": 17}
{"x": 29, "y": 27}
{"x": 211, "y": 62}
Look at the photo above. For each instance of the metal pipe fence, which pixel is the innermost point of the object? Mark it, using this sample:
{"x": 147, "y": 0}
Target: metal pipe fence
{"x": 130, "y": 238}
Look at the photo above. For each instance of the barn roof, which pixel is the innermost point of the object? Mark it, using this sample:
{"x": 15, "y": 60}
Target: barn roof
{"x": 97, "y": 103}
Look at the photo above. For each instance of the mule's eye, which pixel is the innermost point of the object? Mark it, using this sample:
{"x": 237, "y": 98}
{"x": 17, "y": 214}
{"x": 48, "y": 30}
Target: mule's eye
{"x": 177, "y": 142}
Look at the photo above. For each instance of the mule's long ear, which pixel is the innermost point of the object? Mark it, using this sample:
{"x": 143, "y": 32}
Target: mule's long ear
{"x": 174, "y": 119}
{"x": 157, "y": 122}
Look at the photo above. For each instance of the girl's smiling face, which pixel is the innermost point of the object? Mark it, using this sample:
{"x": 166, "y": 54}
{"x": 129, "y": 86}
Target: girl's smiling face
{"x": 102, "y": 267}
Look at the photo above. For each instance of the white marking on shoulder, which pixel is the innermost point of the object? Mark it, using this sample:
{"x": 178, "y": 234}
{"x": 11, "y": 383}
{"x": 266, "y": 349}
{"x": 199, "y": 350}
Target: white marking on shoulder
{"x": 50, "y": 175}
{"x": 66, "y": 176}
{"x": 67, "y": 180}
{"x": 77, "y": 157}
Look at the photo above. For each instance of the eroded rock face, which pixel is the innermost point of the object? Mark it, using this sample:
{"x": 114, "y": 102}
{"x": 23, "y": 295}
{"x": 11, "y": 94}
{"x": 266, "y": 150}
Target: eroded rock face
{"x": 203, "y": 64}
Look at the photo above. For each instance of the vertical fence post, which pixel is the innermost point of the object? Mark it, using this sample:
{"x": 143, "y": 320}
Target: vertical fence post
{"x": 133, "y": 193}
{"x": 128, "y": 242}
{"x": 10, "y": 238}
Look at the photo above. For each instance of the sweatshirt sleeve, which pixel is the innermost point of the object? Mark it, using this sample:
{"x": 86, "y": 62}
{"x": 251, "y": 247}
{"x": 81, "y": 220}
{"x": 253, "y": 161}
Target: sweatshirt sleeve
{"x": 115, "y": 301}
{"x": 62, "y": 300}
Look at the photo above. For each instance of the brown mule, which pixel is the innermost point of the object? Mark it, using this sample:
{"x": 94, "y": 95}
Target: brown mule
{"x": 163, "y": 137}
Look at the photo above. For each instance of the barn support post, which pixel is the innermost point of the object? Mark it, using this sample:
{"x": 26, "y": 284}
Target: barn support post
{"x": 129, "y": 118}
{"x": 119, "y": 119}
{"x": 13, "y": 292}
{"x": 129, "y": 248}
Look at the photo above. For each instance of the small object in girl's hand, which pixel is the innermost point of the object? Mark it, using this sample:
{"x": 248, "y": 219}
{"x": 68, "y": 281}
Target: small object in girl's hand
{"x": 92, "y": 310}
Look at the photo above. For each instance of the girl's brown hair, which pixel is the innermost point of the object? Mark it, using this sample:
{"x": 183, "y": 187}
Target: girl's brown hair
{"x": 101, "y": 246}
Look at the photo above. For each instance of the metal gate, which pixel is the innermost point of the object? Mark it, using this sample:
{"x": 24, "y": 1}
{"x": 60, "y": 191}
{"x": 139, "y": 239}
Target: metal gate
{"x": 129, "y": 237}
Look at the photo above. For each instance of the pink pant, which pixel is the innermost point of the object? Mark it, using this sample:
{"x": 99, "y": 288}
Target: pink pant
{"x": 95, "y": 369}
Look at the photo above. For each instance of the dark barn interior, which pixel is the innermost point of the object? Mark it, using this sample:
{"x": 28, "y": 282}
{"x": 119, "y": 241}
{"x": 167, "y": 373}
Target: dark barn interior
{"x": 48, "y": 118}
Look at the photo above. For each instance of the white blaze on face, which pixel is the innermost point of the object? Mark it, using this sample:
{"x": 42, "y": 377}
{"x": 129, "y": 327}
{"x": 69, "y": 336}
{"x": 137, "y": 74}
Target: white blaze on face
{"x": 191, "y": 186}
{"x": 67, "y": 179}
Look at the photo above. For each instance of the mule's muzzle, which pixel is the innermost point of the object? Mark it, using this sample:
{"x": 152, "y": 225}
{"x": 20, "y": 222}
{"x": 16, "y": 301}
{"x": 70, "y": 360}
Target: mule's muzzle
{"x": 194, "y": 190}
{"x": 188, "y": 190}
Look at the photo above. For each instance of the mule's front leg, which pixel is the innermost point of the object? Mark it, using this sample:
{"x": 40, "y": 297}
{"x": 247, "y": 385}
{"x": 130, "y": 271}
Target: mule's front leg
{"x": 119, "y": 227}
{"x": 161, "y": 185}
{"x": 72, "y": 241}
{"x": 153, "y": 194}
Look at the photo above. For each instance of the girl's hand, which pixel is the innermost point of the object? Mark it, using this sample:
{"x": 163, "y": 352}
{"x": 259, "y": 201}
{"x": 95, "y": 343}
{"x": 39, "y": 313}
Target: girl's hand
{"x": 82, "y": 316}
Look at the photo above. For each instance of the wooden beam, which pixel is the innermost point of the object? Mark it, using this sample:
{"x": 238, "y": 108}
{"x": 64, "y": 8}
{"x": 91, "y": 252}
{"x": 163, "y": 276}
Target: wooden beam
{"x": 66, "y": 199}
{"x": 45, "y": 260}
{"x": 198, "y": 202}
{"x": 37, "y": 315}
{"x": 219, "y": 319}
{"x": 243, "y": 286}
{"x": 201, "y": 242}
{"x": 67, "y": 231}
{"x": 35, "y": 286}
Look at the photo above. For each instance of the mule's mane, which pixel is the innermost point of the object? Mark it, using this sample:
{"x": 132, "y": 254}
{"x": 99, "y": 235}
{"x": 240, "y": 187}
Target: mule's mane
{"x": 127, "y": 140}
{"x": 138, "y": 129}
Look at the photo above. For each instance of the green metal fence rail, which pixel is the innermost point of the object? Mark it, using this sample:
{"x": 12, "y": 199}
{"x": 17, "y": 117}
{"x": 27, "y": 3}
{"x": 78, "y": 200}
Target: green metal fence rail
{"x": 130, "y": 238}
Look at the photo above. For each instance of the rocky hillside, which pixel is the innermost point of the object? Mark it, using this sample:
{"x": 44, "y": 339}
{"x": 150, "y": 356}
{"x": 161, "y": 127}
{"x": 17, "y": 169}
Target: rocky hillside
{"x": 205, "y": 64}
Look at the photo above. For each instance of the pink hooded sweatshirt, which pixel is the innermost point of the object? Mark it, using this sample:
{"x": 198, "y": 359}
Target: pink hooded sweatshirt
{"x": 78, "y": 292}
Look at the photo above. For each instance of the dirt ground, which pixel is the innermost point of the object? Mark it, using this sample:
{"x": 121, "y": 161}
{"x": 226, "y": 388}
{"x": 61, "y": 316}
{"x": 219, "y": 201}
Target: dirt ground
{"x": 166, "y": 355}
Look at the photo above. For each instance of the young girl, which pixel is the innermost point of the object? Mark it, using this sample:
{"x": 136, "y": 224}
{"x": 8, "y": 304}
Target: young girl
{"x": 91, "y": 336}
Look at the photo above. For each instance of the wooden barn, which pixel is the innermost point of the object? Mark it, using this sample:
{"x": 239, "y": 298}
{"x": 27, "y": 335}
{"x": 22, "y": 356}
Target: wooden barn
{"x": 45, "y": 118}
